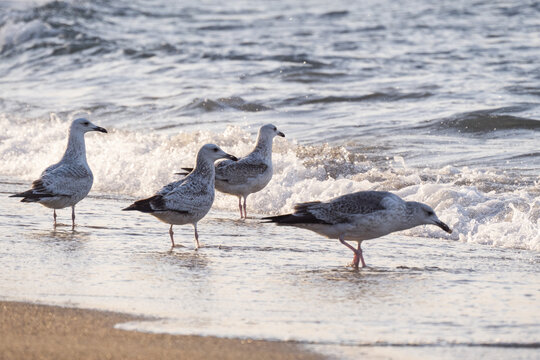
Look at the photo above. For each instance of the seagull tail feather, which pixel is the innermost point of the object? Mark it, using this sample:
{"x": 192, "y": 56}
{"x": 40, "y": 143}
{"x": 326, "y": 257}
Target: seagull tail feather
{"x": 294, "y": 219}
{"x": 144, "y": 205}
{"x": 185, "y": 172}
{"x": 273, "y": 218}
{"x": 31, "y": 196}
{"x": 282, "y": 219}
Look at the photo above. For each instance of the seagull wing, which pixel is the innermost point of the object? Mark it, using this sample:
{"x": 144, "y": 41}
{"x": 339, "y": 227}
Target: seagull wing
{"x": 239, "y": 172}
{"x": 59, "y": 180}
{"x": 344, "y": 208}
{"x": 170, "y": 187}
{"x": 188, "y": 197}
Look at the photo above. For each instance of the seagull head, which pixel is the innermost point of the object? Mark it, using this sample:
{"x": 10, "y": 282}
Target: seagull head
{"x": 214, "y": 152}
{"x": 425, "y": 215}
{"x": 270, "y": 131}
{"x": 83, "y": 125}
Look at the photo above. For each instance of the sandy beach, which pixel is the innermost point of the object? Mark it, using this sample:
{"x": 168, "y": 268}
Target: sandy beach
{"x": 32, "y": 331}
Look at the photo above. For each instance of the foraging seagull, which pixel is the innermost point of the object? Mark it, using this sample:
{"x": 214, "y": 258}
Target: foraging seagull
{"x": 360, "y": 216}
{"x": 188, "y": 200}
{"x": 249, "y": 174}
{"x": 68, "y": 181}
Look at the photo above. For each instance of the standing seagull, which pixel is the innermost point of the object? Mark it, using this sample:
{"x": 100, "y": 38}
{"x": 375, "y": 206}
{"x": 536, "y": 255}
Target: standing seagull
{"x": 249, "y": 174}
{"x": 186, "y": 201}
{"x": 68, "y": 181}
{"x": 360, "y": 216}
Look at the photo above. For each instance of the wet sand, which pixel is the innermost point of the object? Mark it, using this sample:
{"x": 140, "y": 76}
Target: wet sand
{"x": 32, "y": 331}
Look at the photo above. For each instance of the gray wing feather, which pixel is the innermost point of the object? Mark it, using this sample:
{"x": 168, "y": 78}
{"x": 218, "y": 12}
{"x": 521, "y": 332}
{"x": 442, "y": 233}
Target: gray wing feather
{"x": 238, "y": 172}
{"x": 64, "y": 179}
{"x": 170, "y": 187}
{"x": 344, "y": 208}
{"x": 187, "y": 195}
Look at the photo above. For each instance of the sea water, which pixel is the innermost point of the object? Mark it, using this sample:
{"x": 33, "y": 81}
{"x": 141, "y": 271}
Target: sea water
{"x": 436, "y": 103}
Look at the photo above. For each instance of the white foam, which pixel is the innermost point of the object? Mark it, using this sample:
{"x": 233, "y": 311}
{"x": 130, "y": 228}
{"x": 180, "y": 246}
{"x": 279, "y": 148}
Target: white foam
{"x": 483, "y": 206}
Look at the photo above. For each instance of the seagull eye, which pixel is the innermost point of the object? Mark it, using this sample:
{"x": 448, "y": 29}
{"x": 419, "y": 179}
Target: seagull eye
{"x": 215, "y": 150}
{"x": 430, "y": 213}
{"x": 275, "y": 128}
{"x": 85, "y": 123}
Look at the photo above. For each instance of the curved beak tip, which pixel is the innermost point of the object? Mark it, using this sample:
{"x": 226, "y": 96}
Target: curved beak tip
{"x": 281, "y": 134}
{"x": 444, "y": 227}
{"x": 233, "y": 158}
{"x": 100, "y": 129}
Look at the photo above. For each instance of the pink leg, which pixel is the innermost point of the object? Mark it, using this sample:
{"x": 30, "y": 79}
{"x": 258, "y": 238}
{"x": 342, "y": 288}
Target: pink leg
{"x": 240, "y": 206}
{"x": 245, "y": 212}
{"x": 54, "y": 217}
{"x": 357, "y": 253}
{"x": 196, "y": 236}
{"x": 171, "y": 233}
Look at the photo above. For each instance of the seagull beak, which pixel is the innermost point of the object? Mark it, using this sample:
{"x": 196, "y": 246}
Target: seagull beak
{"x": 100, "y": 129}
{"x": 231, "y": 157}
{"x": 279, "y": 133}
{"x": 443, "y": 226}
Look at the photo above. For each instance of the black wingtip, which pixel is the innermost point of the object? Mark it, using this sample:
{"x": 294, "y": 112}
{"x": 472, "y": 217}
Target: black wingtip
{"x": 294, "y": 219}
{"x": 185, "y": 172}
{"x": 23, "y": 194}
{"x": 145, "y": 205}
{"x": 31, "y": 196}
{"x": 280, "y": 219}
{"x": 139, "y": 206}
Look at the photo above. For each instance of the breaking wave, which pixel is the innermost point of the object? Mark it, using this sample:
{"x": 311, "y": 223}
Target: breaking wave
{"x": 484, "y": 206}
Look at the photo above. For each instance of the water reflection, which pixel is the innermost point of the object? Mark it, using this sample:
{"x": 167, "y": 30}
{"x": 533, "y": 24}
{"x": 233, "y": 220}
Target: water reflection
{"x": 192, "y": 260}
{"x": 67, "y": 240}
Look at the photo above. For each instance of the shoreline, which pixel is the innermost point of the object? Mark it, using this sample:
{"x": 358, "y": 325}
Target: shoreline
{"x": 36, "y": 331}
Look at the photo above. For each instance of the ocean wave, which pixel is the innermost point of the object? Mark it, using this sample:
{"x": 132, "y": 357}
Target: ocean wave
{"x": 300, "y": 58}
{"x": 233, "y": 102}
{"x": 221, "y": 27}
{"x": 484, "y": 121}
{"x": 523, "y": 90}
{"x": 334, "y": 14}
{"x": 58, "y": 26}
{"x": 375, "y": 96}
{"x": 14, "y": 34}
{"x": 483, "y": 206}
{"x": 300, "y": 73}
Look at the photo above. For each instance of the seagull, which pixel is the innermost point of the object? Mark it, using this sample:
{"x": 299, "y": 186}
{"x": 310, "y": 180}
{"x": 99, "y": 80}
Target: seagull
{"x": 188, "y": 200}
{"x": 359, "y": 216}
{"x": 68, "y": 181}
{"x": 249, "y": 174}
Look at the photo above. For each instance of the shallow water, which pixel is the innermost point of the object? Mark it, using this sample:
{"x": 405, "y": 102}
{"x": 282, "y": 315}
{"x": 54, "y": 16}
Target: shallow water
{"x": 438, "y": 104}
{"x": 269, "y": 282}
